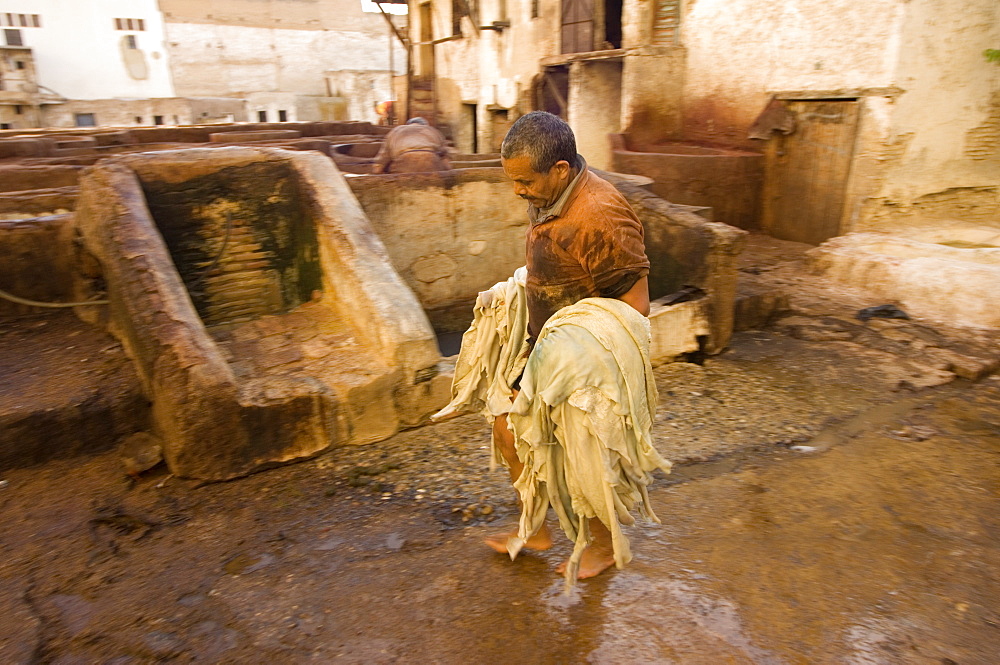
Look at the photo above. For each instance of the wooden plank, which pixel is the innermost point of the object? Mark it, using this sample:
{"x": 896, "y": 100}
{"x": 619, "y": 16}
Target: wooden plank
{"x": 807, "y": 172}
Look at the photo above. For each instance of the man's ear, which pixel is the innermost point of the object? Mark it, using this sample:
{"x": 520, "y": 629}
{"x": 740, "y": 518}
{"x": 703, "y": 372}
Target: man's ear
{"x": 562, "y": 168}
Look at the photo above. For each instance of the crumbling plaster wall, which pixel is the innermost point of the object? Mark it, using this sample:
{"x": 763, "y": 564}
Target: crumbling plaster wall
{"x": 141, "y": 112}
{"x": 491, "y": 68}
{"x": 238, "y": 47}
{"x": 740, "y": 52}
{"x": 929, "y": 136}
{"x": 936, "y": 147}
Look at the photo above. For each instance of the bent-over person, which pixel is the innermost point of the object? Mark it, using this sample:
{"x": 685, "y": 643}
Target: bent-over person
{"x": 412, "y": 148}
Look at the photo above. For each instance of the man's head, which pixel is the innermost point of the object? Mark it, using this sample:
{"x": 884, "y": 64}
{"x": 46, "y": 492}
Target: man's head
{"x": 539, "y": 154}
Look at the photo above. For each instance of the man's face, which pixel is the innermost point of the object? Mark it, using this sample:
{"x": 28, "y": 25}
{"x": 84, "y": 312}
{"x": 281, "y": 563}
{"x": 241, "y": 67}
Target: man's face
{"x": 539, "y": 189}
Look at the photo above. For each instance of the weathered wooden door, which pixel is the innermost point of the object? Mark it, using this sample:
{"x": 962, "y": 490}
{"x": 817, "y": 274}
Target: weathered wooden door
{"x": 806, "y": 175}
{"x": 577, "y": 26}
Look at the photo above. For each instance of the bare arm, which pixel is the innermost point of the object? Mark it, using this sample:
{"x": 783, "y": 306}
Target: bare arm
{"x": 638, "y": 296}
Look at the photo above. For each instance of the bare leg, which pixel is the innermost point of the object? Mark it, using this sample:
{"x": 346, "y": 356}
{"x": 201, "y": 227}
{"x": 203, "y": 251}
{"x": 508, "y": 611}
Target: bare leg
{"x": 542, "y": 539}
{"x": 599, "y": 555}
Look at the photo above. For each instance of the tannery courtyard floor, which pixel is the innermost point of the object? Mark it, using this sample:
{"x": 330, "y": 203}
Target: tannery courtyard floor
{"x": 821, "y": 511}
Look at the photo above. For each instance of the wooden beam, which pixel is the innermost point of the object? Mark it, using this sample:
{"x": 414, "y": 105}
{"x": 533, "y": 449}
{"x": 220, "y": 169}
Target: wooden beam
{"x": 399, "y": 35}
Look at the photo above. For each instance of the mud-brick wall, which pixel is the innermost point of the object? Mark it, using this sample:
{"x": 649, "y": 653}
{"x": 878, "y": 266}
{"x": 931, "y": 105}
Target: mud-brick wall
{"x": 38, "y": 261}
{"x": 449, "y": 235}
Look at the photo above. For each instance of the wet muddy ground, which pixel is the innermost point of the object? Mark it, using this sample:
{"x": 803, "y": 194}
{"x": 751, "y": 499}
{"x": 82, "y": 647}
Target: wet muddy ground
{"x": 819, "y": 513}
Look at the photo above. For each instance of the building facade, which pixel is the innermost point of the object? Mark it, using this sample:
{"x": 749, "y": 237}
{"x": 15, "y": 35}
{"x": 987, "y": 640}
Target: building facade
{"x": 893, "y": 110}
{"x": 147, "y": 62}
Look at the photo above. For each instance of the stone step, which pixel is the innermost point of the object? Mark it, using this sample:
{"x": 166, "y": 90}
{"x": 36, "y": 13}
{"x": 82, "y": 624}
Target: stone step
{"x": 67, "y": 389}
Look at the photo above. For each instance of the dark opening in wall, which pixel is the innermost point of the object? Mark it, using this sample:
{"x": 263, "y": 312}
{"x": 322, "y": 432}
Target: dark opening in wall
{"x": 157, "y": 119}
{"x": 18, "y": 109}
{"x": 85, "y": 120}
{"x": 20, "y": 64}
{"x": 613, "y": 23}
{"x": 138, "y": 119}
{"x": 13, "y": 37}
{"x": 261, "y": 116}
{"x": 5, "y": 125}
{"x": 282, "y": 115}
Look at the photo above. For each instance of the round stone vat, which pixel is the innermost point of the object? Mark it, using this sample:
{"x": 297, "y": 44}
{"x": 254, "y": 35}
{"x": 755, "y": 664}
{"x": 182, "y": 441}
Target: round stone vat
{"x": 726, "y": 179}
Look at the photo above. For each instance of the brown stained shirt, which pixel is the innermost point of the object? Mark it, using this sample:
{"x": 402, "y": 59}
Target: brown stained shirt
{"x": 411, "y": 148}
{"x": 591, "y": 245}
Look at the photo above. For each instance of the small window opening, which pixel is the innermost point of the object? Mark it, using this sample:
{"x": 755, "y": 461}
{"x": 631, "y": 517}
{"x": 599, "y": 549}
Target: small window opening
{"x": 282, "y": 115}
{"x": 157, "y": 119}
{"x": 20, "y": 64}
{"x": 130, "y": 39}
{"x": 85, "y": 120}
{"x": 138, "y": 119}
{"x": 261, "y": 116}
{"x": 534, "y": 8}
{"x": 18, "y": 109}
{"x": 5, "y": 125}
{"x": 13, "y": 37}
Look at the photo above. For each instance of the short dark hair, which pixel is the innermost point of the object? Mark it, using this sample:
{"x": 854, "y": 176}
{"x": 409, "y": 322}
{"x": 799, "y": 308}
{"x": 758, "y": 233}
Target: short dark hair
{"x": 543, "y": 137}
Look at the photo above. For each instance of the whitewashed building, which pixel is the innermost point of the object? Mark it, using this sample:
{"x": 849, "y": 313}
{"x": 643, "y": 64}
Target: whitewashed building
{"x": 169, "y": 62}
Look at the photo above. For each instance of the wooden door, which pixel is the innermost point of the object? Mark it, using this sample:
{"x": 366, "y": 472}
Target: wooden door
{"x": 552, "y": 91}
{"x": 807, "y": 171}
{"x": 577, "y": 26}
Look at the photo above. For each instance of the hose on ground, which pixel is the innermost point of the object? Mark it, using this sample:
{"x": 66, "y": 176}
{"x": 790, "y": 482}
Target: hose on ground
{"x": 34, "y": 303}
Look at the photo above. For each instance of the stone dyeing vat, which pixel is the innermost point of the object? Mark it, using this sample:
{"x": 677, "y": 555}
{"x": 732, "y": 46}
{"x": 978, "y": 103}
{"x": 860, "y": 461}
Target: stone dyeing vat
{"x": 727, "y": 180}
{"x": 949, "y": 274}
{"x": 261, "y": 310}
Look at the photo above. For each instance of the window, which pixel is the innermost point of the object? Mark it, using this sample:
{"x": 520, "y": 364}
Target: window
{"x": 157, "y": 119}
{"x": 134, "y": 24}
{"x": 534, "y": 8}
{"x": 85, "y": 120}
{"x": 5, "y": 125}
{"x": 282, "y": 115}
{"x": 21, "y": 20}
{"x": 261, "y": 116}
{"x": 13, "y": 37}
{"x": 19, "y": 64}
{"x": 18, "y": 109}
{"x": 130, "y": 40}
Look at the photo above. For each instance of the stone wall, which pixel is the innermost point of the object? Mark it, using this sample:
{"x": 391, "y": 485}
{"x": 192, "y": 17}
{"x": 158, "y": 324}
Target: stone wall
{"x": 449, "y": 234}
{"x": 455, "y": 233}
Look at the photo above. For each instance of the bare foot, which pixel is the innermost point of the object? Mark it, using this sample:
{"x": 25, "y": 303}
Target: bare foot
{"x": 595, "y": 560}
{"x": 542, "y": 540}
